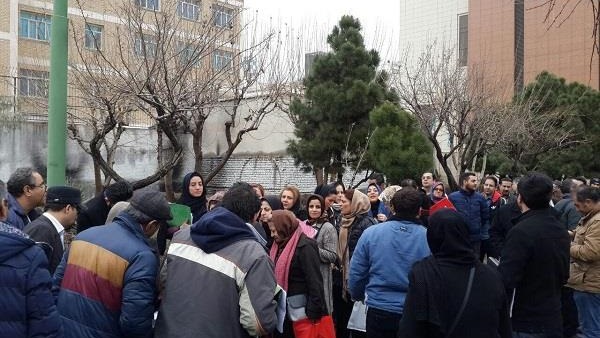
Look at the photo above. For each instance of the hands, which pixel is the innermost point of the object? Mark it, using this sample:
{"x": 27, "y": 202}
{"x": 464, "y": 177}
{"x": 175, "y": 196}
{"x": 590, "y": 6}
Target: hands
{"x": 381, "y": 218}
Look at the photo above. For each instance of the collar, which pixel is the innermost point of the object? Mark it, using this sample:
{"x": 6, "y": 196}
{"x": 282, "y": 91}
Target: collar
{"x": 59, "y": 227}
{"x": 15, "y": 205}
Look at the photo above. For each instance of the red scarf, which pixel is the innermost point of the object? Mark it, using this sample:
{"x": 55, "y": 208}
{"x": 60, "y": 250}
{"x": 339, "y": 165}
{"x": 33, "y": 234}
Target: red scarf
{"x": 284, "y": 261}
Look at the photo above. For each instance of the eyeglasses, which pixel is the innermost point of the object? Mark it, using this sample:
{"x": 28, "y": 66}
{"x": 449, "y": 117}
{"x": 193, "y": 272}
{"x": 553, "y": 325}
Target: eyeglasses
{"x": 438, "y": 189}
{"x": 43, "y": 186}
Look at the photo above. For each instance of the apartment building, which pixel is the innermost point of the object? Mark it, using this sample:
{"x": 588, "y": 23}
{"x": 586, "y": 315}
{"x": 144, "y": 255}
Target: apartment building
{"x": 124, "y": 32}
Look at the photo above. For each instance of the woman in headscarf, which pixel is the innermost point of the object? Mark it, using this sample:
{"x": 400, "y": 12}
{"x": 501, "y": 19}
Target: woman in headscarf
{"x": 438, "y": 286}
{"x": 193, "y": 194}
{"x": 290, "y": 199}
{"x": 326, "y": 238}
{"x": 296, "y": 259}
{"x": 378, "y": 209}
{"x": 355, "y": 219}
{"x": 438, "y": 192}
{"x": 268, "y": 204}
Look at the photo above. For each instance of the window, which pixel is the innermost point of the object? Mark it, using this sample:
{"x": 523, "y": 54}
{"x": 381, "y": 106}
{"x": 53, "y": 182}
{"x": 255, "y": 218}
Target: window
{"x": 93, "y": 37}
{"x": 188, "y": 53}
{"x": 34, "y": 26}
{"x": 223, "y": 16}
{"x": 222, "y": 59}
{"x": 188, "y": 9}
{"x": 145, "y": 45}
{"x": 463, "y": 39}
{"x": 33, "y": 83}
{"x": 148, "y": 4}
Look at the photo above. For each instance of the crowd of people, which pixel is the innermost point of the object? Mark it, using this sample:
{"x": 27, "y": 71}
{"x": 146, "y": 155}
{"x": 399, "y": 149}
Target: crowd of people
{"x": 499, "y": 257}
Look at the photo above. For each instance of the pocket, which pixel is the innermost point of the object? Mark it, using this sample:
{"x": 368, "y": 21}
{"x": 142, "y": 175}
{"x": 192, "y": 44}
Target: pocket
{"x": 296, "y": 307}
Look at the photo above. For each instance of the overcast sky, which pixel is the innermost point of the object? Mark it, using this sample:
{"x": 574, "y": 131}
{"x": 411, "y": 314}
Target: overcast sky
{"x": 314, "y": 19}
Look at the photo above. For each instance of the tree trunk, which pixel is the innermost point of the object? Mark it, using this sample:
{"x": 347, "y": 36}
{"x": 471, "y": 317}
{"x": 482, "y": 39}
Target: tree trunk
{"x": 319, "y": 175}
{"x": 197, "y": 145}
{"x": 169, "y": 193}
{"x": 98, "y": 178}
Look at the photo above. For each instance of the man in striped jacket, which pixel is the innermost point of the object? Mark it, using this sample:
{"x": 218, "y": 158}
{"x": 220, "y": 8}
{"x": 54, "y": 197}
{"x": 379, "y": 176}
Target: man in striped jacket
{"x": 220, "y": 281}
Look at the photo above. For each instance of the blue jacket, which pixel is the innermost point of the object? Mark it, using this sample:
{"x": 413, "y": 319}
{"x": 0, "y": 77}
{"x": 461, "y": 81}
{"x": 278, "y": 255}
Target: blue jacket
{"x": 26, "y": 304}
{"x": 474, "y": 208}
{"x": 107, "y": 282}
{"x": 382, "y": 260}
{"x": 17, "y": 216}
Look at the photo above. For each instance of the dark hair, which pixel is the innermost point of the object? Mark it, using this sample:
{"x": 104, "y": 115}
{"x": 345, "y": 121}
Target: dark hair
{"x": 349, "y": 194}
{"x": 339, "y": 183}
{"x": 407, "y": 182}
{"x": 566, "y": 186}
{"x": 432, "y": 174}
{"x": 3, "y": 192}
{"x": 378, "y": 177}
{"x": 118, "y": 192}
{"x": 18, "y": 180}
{"x": 54, "y": 207}
{"x": 588, "y": 193}
{"x": 506, "y": 179}
{"x": 493, "y": 178}
{"x": 535, "y": 190}
{"x": 241, "y": 199}
{"x": 325, "y": 190}
{"x": 465, "y": 176}
{"x": 407, "y": 202}
{"x": 260, "y": 188}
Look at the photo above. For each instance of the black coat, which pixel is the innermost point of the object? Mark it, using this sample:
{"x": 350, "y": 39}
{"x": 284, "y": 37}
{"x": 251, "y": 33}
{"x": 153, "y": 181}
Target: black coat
{"x": 535, "y": 262}
{"x": 305, "y": 277}
{"x": 501, "y": 225}
{"x": 486, "y": 314}
{"x": 95, "y": 213}
{"x": 42, "y": 230}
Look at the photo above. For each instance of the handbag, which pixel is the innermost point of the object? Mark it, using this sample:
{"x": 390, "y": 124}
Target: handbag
{"x": 358, "y": 317}
{"x": 464, "y": 303}
{"x": 322, "y": 328}
{"x": 296, "y": 307}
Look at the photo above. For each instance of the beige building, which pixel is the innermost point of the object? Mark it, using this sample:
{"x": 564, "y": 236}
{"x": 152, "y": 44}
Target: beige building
{"x": 126, "y": 33}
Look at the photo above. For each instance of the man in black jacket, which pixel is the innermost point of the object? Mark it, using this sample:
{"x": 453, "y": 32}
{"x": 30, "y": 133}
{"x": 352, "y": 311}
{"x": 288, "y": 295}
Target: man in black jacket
{"x": 96, "y": 209}
{"x": 535, "y": 261}
{"x": 501, "y": 225}
{"x": 62, "y": 204}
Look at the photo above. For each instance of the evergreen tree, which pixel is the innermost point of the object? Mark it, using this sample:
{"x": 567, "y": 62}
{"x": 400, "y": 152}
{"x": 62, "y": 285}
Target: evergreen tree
{"x": 398, "y": 148}
{"x": 332, "y": 127}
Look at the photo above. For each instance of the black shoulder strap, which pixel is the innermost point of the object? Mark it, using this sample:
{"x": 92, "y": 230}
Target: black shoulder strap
{"x": 464, "y": 303}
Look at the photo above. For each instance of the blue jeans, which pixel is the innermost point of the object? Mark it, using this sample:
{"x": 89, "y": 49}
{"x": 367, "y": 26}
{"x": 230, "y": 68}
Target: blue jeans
{"x": 588, "y": 307}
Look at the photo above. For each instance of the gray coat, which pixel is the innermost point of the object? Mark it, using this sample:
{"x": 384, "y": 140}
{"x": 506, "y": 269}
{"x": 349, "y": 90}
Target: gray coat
{"x": 327, "y": 240}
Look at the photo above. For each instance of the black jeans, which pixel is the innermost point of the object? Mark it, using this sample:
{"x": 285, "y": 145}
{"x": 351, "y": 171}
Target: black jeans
{"x": 382, "y": 324}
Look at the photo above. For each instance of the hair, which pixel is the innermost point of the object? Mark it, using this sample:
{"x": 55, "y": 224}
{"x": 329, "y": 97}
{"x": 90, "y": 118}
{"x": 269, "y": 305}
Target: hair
{"x": 506, "y": 179}
{"x": 566, "y": 186}
{"x": 294, "y": 191}
{"x": 378, "y": 177}
{"x": 407, "y": 202}
{"x": 432, "y": 174}
{"x": 409, "y": 183}
{"x": 535, "y": 190}
{"x": 325, "y": 190}
{"x": 339, "y": 183}
{"x": 241, "y": 199}
{"x": 493, "y": 178}
{"x": 118, "y": 191}
{"x": 588, "y": 193}
{"x": 465, "y": 177}
{"x": 260, "y": 188}
{"x": 349, "y": 194}
{"x": 3, "y": 192}
{"x": 18, "y": 180}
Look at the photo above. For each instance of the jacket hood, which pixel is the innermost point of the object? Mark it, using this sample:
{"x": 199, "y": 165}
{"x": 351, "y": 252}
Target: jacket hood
{"x": 12, "y": 241}
{"x": 218, "y": 229}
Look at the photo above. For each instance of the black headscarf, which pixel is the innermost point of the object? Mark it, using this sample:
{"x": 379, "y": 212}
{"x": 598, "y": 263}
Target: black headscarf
{"x": 197, "y": 204}
{"x": 448, "y": 238}
{"x": 274, "y": 201}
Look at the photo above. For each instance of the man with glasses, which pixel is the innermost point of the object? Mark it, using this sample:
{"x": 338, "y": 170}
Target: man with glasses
{"x": 62, "y": 205}
{"x": 26, "y": 191}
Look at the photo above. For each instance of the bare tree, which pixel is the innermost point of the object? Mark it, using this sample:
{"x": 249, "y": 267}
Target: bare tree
{"x": 176, "y": 68}
{"x": 455, "y": 108}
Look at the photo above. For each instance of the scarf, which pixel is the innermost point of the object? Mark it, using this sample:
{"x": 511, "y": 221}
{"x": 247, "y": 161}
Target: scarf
{"x": 360, "y": 205}
{"x": 288, "y": 227}
{"x": 321, "y": 219}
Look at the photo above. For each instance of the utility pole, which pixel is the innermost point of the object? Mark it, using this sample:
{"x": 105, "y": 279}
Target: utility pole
{"x": 57, "y": 111}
